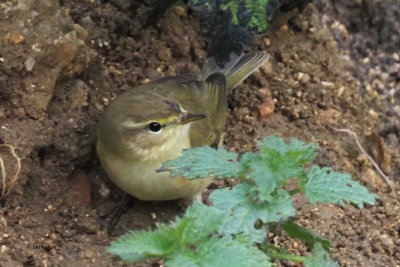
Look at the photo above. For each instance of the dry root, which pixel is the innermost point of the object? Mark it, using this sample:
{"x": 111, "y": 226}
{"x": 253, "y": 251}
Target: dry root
{"x": 370, "y": 159}
{"x": 9, "y": 182}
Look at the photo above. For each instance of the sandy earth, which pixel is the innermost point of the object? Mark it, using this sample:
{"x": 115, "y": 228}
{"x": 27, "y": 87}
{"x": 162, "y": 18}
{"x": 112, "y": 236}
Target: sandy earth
{"x": 61, "y": 64}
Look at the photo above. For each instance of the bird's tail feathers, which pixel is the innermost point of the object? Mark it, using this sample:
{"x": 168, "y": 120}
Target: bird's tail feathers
{"x": 245, "y": 66}
{"x": 236, "y": 69}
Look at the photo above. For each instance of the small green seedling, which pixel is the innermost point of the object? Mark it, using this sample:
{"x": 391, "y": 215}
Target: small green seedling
{"x": 233, "y": 231}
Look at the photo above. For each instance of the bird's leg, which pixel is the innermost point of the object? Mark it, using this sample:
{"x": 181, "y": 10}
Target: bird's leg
{"x": 112, "y": 216}
{"x": 221, "y": 141}
{"x": 198, "y": 198}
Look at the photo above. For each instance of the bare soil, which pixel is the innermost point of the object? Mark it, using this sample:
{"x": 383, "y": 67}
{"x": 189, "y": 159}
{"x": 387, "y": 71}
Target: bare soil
{"x": 336, "y": 64}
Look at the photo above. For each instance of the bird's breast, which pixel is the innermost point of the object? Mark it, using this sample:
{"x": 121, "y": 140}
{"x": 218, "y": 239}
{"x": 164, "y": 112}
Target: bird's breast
{"x": 140, "y": 178}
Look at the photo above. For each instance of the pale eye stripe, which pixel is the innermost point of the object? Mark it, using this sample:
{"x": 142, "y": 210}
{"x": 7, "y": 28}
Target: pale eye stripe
{"x": 131, "y": 124}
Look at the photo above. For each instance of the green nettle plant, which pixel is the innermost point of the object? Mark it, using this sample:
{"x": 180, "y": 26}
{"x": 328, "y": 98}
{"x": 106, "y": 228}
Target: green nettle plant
{"x": 249, "y": 13}
{"x": 233, "y": 231}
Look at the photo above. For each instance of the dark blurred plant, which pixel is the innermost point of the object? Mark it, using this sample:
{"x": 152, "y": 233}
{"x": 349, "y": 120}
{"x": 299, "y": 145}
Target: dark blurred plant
{"x": 231, "y": 24}
{"x": 251, "y": 14}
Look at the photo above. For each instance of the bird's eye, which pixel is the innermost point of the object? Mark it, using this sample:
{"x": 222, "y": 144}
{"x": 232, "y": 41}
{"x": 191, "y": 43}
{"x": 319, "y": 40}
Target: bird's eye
{"x": 155, "y": 127}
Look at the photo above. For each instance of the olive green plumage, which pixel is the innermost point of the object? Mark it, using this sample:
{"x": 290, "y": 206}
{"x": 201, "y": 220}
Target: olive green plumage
{"x": 152, "y": 123}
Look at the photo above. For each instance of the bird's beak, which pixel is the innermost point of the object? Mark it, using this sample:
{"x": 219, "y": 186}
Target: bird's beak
{"x": 186, "y": 118}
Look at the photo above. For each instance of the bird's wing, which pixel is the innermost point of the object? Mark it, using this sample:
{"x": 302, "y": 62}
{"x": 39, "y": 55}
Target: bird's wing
{"x": 208, "y": 97}
{"x": 208, "y": 93}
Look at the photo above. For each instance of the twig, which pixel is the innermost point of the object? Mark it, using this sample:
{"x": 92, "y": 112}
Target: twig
{"x": 3, "y": 175}
{"x": 369, "y": 158}
{"x": 6, "y": 189}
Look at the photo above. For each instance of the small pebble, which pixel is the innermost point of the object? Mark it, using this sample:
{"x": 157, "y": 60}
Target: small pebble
{"x": 267, "y": 109}
{"x": 327, "y": 84}
{"x": 265, "y": 92}
{"x": 243, "y": 111}
{"x": 394, "y": 69}
{"x": 151, "y": 74}
{"x": 89, "y": 254}
{"x": 387, "y": 241}
{"x": 3, "y": 249}
{"x": 371, "y": 74}
{"x": 104, "y": 191}
{"x": 397, "y": 110}
{"x": 304, "y": 78}
{"x": 16, "y": 38}
{"x": 341, "y": 91}
{"x": 105, "y": 101}
{"x": 362, "y": 158}
{"x": 29, "y": 63}
{"x": 266, "y": 68}
{"x": 373, "y": 114}
{"x": 396, "y": 56}
{"x": 267, "y": 42}
{"x": 348, "y": 167}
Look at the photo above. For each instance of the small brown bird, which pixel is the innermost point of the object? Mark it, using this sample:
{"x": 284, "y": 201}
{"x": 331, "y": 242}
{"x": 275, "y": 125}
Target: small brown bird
{"x": 152, "y": 123}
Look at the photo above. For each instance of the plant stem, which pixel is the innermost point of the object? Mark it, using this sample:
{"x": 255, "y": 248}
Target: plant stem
{"x": 288, "y": 257}
{"x": 272, "y": 252}
{"x": 294, "y": 191}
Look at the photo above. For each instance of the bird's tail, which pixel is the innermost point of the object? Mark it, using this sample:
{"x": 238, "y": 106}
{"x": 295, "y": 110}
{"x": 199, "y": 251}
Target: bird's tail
{"x": 236, "y": 69}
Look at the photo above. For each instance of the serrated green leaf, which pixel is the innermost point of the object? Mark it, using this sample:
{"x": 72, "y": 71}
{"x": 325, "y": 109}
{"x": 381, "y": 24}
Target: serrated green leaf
{"x": 197, "y": 224}
{"x": 320, "y": 258}
{"x": 137, "y": 246}
{"x": 286, "y": 161}
{"x": 203, "y": 220}
{"x": 182, "y": 260}
{"x": 216, "y": 252}
{"x": 296, "y": 231}
{"x": 259, "y": 14}
{"x": 204, "y": 162}
{"x": 264, "y": 178}
{"x": 326, "y": 186}
{"x": 188, "y": 242}
{"x": 277, "y": 163}
{"x": 300, "y": 152}
{"x": 232, "y": 6}
{"x": 255, "y": 167}
{"x": 241, "y": 212}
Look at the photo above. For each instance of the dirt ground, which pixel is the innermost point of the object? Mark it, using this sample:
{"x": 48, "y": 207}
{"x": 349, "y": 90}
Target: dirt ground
{"x": 336, "y": 64}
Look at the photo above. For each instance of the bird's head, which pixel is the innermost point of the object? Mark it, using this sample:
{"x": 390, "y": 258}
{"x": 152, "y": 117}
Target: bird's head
{"x": 142, "y": 124}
